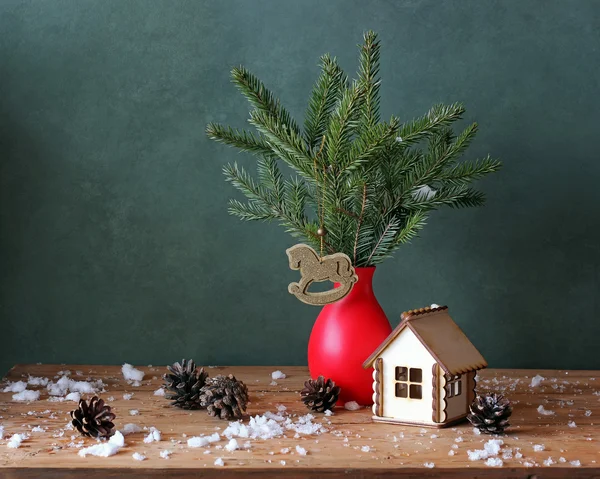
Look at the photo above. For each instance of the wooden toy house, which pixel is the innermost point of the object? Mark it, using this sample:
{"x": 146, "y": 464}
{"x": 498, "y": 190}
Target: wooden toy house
{"x": 424, "y": 372}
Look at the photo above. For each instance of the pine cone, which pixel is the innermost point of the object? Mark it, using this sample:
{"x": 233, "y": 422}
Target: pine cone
{"x": 93, "y": 419}
{"x": 490, "y": 413}
{"x": 225, "y": 397}
{"x": 320, "y": 395}
{"x": 184, "y": 382}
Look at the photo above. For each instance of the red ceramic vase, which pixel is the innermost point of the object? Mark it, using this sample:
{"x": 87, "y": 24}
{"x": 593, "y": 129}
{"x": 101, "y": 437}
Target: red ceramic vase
{"x": 345, "y": 334}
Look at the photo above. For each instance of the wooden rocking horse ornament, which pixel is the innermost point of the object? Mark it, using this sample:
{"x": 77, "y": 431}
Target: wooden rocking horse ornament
{"x": 335, "y": 267}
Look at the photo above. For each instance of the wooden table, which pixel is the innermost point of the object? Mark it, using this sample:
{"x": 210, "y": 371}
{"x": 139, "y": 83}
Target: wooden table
{"x": 339, "y": 452}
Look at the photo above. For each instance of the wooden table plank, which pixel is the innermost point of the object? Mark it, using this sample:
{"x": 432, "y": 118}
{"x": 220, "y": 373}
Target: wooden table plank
{"x": 572, "y": 395}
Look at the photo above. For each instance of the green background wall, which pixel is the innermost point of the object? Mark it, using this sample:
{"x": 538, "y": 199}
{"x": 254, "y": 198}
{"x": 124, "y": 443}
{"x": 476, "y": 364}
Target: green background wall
{"x": 115, "y": 243}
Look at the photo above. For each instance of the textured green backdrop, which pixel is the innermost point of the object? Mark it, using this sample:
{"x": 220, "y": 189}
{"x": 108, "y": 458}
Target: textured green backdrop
{"x": 115, "y": 242}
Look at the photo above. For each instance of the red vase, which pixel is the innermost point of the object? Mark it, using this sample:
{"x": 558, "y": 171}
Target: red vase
{"x": 345, "y": 334}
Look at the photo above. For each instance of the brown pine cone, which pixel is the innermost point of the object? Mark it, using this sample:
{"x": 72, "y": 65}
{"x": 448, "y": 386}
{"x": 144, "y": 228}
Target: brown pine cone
{"x": 320, "y": 395}
{"x": 183, "y": 383}
{"x": 224, "y": 397}
{"x": 490, "y": 413}
{"x": 93, "y": 419}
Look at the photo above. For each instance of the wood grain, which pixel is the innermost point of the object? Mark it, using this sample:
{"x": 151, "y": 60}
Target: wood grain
{"x": 337, "y": 453}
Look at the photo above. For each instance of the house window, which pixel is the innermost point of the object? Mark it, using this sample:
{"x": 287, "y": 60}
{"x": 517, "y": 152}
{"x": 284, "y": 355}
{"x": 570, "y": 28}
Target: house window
{"x": 408, "y": 382}
{"x": 453, "y": 386}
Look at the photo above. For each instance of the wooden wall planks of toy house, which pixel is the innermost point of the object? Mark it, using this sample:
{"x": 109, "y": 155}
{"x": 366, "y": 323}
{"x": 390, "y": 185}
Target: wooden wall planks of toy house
{"x": 424, "y": 372}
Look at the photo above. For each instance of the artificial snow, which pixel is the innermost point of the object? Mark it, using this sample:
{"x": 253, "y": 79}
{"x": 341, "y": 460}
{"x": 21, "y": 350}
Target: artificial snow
{"x": 1, "y": 432}
{"x": 588, "y": 413}
{"x": 75, "y": 396}
{"x": 494, "y": 462}
{"x": 131, "y": 428}
{"x": 538, "y": 447}
{"x": 549, "y": 461}
{"x": 202, "y": 441}
{"x": 429, "y": 465}
{"x": 153, "y": 436}
{"x": 328, "y": 412}
{"x": 138, "y": 457}
{"x": 507, "y": 454}
{"x": 277, "y": 375}
{"x": 165, "y": 454}
{"x": 38, "y": 429}
{"x": 300, "y": 450}
{"x": 304, "y": 425}
{"x": 15, "y": 387}
{"x": 159, "y": 392}
{"x": 232, "y": 445}
{"x": 536, "y": 381}
{"x": 490, "y": 448}
{"x": 127, "y": 396}
{"x": 26, "y": 395}
{"x": 105, "y": 449}
{"x": 272, "y": 425}
{"x": 134, "y": 412}
{"x": 132, "y": 374}
{"x": 572, "y": 424}
{"x": 35, "y": 381}
{"x": 219, "y": 462}
{"x": 352, "y": 406}
{"x": 366, "y": 449}
{"x": 451, "y": 452}
{"x": 64, "y": 385}
{"x": 544, "y": 412}
{"x": 15, "y": 440}
{"x": 424, "y": 192}
{"x": 575, "y": 463}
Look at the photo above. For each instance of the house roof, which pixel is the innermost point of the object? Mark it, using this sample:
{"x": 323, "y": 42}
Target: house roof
{"x": 441, "y": 336}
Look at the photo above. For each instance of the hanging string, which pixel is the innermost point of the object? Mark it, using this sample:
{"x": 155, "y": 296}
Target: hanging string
{"x": 321, "y": 199}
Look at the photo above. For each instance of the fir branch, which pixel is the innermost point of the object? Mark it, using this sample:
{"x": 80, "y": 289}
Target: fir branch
{"x": 438, "y": 116}
{"x": 326, "y": 92}
{"x": 369, "y": 145}
{"x": 240, "y": 139}
{"x": 286, "y": 142}
{"x": 454, "y": 196}
{"x": 462, "y": 141}
{"x": 368, "y": 77}
{"x": 260, "y": 198}
{"x": 367, "y": 179}
{"x": 384, "y": 242}
{"x": 343, "y": 123}
{"x": 242, "y": 181}
{"x": 466, "y": 172}
{"x": 251, "y": 211}
{"x": 270, "y": 176}
{"x": 295, "y": 199}
{"x": 360, "y": 219}
{"x": 261, "y": 98}
{"x": 414, "y": 223}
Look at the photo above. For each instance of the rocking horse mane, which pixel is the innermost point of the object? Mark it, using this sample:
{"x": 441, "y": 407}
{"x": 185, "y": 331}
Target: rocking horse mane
{"x": 300, "y": 252}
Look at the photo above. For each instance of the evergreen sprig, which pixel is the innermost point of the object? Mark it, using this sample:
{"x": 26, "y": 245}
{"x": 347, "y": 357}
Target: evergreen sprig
{"x": 377, "y": 181}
